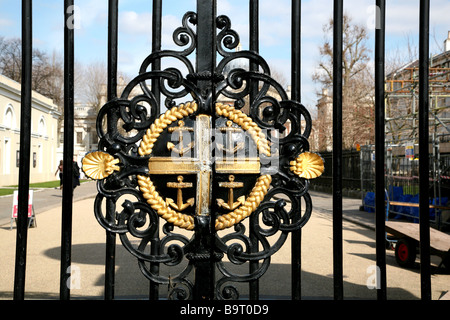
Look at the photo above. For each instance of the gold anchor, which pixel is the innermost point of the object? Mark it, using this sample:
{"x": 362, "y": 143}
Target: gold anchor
{"x": 180, "y": 206}
{"x": 180, "y": 129}
{"x": 231, "y": 205}
{"x": 229, "y": 129}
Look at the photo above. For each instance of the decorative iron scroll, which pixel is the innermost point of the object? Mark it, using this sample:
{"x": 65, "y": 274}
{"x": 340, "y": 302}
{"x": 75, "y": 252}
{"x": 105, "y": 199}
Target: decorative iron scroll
{"x": 244, "y": 163}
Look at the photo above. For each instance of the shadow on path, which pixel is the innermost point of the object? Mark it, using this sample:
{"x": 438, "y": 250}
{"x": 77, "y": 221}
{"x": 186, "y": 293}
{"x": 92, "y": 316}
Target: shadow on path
{"x": 274, "y": 284}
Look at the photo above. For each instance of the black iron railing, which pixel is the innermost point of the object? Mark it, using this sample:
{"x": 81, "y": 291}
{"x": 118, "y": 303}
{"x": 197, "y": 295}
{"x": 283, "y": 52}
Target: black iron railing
{"x": 206, "y": 21}
{"x": 25, "y": 147}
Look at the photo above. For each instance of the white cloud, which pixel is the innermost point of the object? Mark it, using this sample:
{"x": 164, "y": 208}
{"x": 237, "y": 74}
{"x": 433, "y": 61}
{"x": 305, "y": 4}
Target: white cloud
{"x": 224, "y": 7}
{"x": 92, "y": 12}
{"x": 275, "y": 27}
{"x": 131, "y": 22}
{"x": 6, "y": 23}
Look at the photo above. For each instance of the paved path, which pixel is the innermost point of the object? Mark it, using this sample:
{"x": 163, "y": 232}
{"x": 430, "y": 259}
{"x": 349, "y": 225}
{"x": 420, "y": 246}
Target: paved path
{"x": 88, "y": 256}
{"x": 46, "y": 199}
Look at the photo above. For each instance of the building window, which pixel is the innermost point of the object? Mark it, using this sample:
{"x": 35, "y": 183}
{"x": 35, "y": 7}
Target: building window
{"x": 41, "y": 127}
{"x": 79, "y": 137}
{"x": 9, "y": 120}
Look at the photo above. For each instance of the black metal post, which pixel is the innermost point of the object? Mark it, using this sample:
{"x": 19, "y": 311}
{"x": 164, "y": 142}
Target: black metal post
{"x": 206, "y": 47}
{"x": 156, "y": 46}
{"x": 25, "y": 147}
{"x": 254, "y": 46}
{"x": 296, "y": 96}
{"x": 337, "y": 150}
{"x": 67, "y": 201}
{"x": 206, "y": 64}
{"x": 424, "y": 211}
{"x": 110, "y": 259}
{"x": 379, "y": 147}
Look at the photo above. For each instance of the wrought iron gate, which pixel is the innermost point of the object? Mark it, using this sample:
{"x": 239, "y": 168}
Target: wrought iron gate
{"x": 221, "y": 171}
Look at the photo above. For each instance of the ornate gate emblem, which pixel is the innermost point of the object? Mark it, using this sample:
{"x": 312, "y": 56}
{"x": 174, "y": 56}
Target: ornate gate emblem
{"x": 204, "y": 167}
{"x": 200, "y": 164}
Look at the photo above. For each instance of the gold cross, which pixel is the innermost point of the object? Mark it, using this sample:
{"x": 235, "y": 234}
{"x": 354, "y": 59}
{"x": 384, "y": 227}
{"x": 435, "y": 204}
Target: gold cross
{"x": 201, "y": 165}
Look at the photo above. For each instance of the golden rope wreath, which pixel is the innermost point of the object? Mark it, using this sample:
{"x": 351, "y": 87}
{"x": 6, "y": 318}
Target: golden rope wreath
{"x": 181, "y": 220}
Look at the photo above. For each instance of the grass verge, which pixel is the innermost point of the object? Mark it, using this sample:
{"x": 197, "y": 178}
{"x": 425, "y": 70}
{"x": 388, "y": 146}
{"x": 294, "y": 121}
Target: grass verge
{"x": 40, "y": 185}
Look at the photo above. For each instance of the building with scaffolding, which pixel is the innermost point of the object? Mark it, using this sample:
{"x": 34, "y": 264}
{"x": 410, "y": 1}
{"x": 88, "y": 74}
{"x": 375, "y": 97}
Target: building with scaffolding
{"x": 402, "y": 134}
{"x": 402, "y": 140}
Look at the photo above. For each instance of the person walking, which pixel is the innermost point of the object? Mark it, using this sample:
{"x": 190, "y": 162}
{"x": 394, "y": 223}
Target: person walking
{"x": 60, "y": 169}
{"x": 76, "y": 175}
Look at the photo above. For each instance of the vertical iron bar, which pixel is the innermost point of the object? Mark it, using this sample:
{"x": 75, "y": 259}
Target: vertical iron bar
{"x": 424, "y": 212}
{"x": 379, "y": 147}
{"x": 67, "y": 201}
{"x": 206, "y": 43}
{"x": 113, "y": 12}
{"x": 110, "y": 259}
{"x": 296, "y": 95}
{"x": 25, "y": 147}
{"x": 156, "y": 46}
{"x": 254, "y": 46}
{"x": 204, "y": 287}
{"x": 337, "y": 149}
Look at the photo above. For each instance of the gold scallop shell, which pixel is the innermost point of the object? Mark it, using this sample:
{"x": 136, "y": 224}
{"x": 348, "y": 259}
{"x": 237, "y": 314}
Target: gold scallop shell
{"x": 308, "y": 165}
{"x": 98, "y": 165}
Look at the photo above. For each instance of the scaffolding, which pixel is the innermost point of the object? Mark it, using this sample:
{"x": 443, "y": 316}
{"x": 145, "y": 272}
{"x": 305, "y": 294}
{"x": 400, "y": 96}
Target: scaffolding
{"x": 401, "y": 152}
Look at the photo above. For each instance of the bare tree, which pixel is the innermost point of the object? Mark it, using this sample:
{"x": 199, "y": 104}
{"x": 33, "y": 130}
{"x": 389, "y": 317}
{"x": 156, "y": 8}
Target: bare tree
{"x": 357, "y": 79}
{"x": 49, "y": 80}
{"x": 93, "y": 78}
{"x": 91, "y": 81}
{"x": 48, "y": 74}
{"x": 11, "y": 58}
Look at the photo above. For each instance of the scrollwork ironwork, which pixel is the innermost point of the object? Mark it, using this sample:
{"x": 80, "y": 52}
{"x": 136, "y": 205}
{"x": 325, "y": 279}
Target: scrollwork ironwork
{"x": 279, "y": 128}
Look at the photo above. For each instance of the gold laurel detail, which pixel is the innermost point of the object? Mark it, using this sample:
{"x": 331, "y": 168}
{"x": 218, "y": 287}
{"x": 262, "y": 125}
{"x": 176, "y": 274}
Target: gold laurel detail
{"x": 161, "y": 207}
{"x": 98, "y": 165}
{"x": 308, "y": 165}
{"x": 145, "y": 184}
{"x": 152, "y": 134}
{"x": 185, "y": 221}
{"x": 246, "y": 123}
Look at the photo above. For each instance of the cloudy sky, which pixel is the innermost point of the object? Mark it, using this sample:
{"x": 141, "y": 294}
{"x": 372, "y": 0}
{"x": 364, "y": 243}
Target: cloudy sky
{"x": 135, "y": 29}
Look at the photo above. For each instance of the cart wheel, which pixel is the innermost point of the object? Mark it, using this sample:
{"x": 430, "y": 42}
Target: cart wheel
{"x": 405, "y": 253}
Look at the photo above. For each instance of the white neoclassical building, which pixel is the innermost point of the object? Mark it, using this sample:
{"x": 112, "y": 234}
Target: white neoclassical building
{"x": 85, "y": 134}
{"x": 44, "y": 137}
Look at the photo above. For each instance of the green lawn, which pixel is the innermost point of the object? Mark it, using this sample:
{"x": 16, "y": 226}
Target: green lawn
{"x": 41, "y": 185}
{"x": 6, "y": 192}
